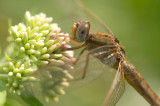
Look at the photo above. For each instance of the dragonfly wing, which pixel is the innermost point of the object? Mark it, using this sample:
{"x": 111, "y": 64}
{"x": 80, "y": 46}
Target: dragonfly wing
{"x": 95, "y": 67}
{"x": 117, "y": 88}
{"x": 94, "y": 17}
{"x": 75, "y": 11}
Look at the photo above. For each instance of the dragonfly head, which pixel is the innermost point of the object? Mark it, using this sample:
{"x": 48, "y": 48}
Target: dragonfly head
{"x": 80, "y": 31}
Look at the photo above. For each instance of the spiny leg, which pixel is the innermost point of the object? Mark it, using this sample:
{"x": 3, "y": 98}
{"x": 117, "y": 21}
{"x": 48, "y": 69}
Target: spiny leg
{"x": 84, "y": 70}
{"x": 75, "y": 43}
{"x": 71, "y": 40}
{"x": 56, "y": 37}
{"x": 77, "y": 47}
{"x": 80, "y": 54}
{"x": 86, "y": 66}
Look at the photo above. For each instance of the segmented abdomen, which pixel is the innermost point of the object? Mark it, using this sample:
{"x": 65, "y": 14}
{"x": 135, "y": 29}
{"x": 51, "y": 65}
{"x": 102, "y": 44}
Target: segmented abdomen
{"x": 135, "y": 79}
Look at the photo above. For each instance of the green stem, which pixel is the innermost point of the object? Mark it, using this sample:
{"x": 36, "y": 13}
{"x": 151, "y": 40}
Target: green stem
{"x": 4, "y": 76}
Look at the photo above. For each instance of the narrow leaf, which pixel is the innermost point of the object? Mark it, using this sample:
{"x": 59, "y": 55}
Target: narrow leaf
{"x": 7, "y": 57}
{"x": 30, "y": 99}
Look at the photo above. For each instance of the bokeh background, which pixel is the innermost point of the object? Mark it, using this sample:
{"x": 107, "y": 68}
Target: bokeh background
{"x": 136, "y": 23}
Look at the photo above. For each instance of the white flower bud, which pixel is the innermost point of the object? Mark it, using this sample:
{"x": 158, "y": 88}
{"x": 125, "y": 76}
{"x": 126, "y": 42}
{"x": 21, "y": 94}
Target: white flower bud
{"x": 11, "y": 65}
{"x": 44, "y": 26}
{"x": 44, "y": 50}
{"x": 45, "y": 56}
{"x": 10, "y": 73}
{"x": 5, "y": 69}
{"x": 15, "y": 84}
{"x": 66, "y": 84}
{"x": 49, "y": 19}
{"x": 45, "y": 32}
{"x": 29, "y": 71}
{"x": 51, "y": 49}
{"x": 56, "y": 56}
{"x": 49, "y": 43}
{"x": 27, "y": 45}
{"x": 18, "y": 75}
{"x": 18, "y": 40}
{"x": 34, "y": 30}
{"x": 32, "y": 51}
{"x": 43, "y": 63}
{"x": 28, "y": 16}
{"x": 15, "y": 70}
{"x": 55, "y": 99}
{"x": 32, "y": 36}
{"x": 27, "y": 63}
{"x": 24, "y": 37}
{"x": 22, "y": 49}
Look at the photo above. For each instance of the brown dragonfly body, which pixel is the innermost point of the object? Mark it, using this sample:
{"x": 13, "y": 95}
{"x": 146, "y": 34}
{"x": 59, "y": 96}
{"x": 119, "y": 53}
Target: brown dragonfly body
{"x": 106, "y": 48}
{"x": 131, "y": 74}
{"x": 135, "y": 79}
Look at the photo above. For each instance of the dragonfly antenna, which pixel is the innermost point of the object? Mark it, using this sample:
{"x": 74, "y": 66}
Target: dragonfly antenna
{"x": 95, "y": 17}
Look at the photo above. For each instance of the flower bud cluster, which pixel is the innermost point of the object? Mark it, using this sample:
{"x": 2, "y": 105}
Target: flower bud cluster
{"x": 38, "y": 42}
{"x": 55, "y": 77}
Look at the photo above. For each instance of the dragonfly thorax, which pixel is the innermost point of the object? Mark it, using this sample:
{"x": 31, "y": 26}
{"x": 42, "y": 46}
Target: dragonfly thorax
{"x": 101, "y": 39}
{"x": 111, "y": 53}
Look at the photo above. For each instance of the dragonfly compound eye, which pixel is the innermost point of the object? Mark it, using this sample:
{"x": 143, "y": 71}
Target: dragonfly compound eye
{"x": 73, "y": 30}
{"x": 82, "y": 31}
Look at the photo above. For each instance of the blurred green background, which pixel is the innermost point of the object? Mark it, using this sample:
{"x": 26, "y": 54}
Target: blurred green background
{"x": 135, "y": 22}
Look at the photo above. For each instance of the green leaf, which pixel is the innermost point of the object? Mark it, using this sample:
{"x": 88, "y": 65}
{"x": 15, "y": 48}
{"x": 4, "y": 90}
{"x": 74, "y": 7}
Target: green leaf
{"x": 7, "y": 57}
{"x": 3, "y": 94}
{"x": 30, "y": 99}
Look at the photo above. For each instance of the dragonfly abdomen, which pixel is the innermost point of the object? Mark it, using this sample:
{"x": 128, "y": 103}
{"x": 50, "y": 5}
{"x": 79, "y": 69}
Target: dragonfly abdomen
{"x": 135, "y": 79}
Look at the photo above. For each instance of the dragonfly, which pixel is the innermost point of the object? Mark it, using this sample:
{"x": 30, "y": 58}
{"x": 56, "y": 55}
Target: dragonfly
{"x": 107, "y": 49}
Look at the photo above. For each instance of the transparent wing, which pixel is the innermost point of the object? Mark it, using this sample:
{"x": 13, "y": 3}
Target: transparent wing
{"x": 117, "y": 88}
{"x": 95, "y": 67}
{"x": 74, "y": 11}
{"x": 94, "y": 16}
{"x": 104, "y": 56}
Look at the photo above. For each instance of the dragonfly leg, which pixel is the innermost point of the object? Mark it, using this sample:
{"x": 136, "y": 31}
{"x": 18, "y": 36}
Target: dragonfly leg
{"x": 86, "y": 66}
{"x": 56, "y": 37}
{"x": 71, "y": 40}
{"x": 75, "y": 43}
{"x": 87, "y": 60}
{"x": 84, "y": 70}
{"x": 80, "y": 54}
{"x": 77, "y": 47}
